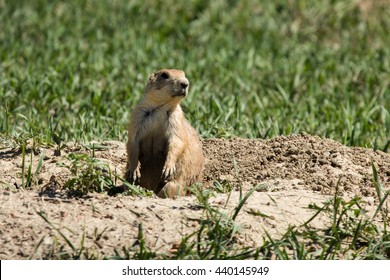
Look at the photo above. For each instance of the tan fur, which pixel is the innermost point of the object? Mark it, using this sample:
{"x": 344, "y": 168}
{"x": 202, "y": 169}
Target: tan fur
{"x": 164, "y": 153}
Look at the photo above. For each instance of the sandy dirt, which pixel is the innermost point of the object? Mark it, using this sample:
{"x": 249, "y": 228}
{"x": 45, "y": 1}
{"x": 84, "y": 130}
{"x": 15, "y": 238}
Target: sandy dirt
{"x": 292, "y": 171}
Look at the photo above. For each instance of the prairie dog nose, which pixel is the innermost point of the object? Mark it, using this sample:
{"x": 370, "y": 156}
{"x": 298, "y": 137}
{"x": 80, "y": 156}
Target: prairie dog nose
{"x": 184, "y": 83}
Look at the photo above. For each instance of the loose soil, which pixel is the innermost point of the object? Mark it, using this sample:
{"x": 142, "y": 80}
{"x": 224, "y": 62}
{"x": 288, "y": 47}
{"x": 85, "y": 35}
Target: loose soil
{"x": 292, "y": 173}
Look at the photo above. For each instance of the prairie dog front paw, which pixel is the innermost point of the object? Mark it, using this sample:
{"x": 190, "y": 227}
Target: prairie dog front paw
{"x": 168, "y": 171}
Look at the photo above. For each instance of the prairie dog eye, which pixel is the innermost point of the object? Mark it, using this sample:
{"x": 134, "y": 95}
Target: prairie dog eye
{"x": 164, "y": 76}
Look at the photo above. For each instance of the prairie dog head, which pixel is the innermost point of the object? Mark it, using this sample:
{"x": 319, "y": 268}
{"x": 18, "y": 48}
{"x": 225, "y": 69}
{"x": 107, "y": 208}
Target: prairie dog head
{"x": 167, "y": 85}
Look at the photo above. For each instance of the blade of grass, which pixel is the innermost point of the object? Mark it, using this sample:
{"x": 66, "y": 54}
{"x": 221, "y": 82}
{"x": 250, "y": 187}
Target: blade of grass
{"x": 43, "y": 216}
{"x": 242, "y": 201}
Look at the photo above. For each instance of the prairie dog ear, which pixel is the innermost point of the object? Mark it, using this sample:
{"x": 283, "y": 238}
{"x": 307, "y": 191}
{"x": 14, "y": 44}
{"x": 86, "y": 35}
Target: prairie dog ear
{"x": 150, "y": 81}
{"x": 151, "y": 77}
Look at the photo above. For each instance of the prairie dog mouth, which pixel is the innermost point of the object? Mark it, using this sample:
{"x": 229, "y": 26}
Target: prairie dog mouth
{"x": 182, "y": 93}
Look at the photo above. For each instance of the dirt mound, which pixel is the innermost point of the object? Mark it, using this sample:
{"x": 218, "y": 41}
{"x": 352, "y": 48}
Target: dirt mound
{"x": 308, "y": 162}
{"x": 293, "y": 172}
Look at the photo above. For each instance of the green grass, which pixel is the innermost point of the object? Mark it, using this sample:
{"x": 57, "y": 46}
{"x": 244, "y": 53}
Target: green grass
{"x": 72, "y": 70}
{"x": 89, "y": 175}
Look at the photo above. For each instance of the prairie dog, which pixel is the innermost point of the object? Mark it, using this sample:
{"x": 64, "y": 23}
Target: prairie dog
{"x": 164, "y": 153}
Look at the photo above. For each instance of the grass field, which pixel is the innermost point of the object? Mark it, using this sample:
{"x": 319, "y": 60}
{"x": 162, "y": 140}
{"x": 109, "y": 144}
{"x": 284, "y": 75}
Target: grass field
{"x": 72, "y": 70}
